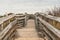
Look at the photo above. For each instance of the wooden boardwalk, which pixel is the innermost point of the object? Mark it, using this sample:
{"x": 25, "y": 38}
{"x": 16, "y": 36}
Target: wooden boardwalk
{"x": 28, "y": 32}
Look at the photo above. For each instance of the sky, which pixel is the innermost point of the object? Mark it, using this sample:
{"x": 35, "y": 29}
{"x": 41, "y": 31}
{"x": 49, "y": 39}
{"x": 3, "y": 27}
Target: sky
{"x": 29, "y": 6}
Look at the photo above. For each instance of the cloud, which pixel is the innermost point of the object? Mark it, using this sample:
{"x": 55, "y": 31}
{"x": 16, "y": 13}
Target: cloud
{"x": 26, "y": 5}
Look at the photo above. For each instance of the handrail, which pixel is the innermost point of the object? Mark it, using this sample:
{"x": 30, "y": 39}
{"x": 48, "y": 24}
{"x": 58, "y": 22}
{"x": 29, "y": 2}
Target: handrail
{"x": 3, "y": 33}
{"x": 5, "y": 18}
{"x": 54, "y": 21}
{"x": 21, "y": 18}
{"x": 51, "y": 17}
{"x": 50, "y": 27}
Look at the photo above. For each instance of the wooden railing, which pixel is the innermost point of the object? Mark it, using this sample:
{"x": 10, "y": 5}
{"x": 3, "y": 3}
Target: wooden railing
{"x": 5, "y": 31}
{"x": 51, "y": 24}
{"x": 6, "y": 24}
{"x": 5, "y": 21}
{"x": 54, "y": 21}
{"x": 21, "y": 19}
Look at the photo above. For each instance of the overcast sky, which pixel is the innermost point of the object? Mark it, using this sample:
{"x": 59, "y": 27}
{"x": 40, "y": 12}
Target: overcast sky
{"x": 29, "y": 6}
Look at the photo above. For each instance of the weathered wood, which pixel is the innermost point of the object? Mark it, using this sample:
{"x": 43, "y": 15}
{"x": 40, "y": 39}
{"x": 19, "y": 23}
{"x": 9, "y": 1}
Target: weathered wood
{"x": 3, "y": 33}
{"x": 54, "y": 31}
{"x": 58, "y": 25}
{"x": 55, "y": 21}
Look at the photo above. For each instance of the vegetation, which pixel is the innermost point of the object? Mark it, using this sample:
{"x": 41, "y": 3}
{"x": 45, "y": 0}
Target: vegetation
{"x": 55, "y": 12}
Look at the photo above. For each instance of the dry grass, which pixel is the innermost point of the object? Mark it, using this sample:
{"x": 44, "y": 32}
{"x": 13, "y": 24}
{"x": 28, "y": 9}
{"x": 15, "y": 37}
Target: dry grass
{"x": 55, "y": 12}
